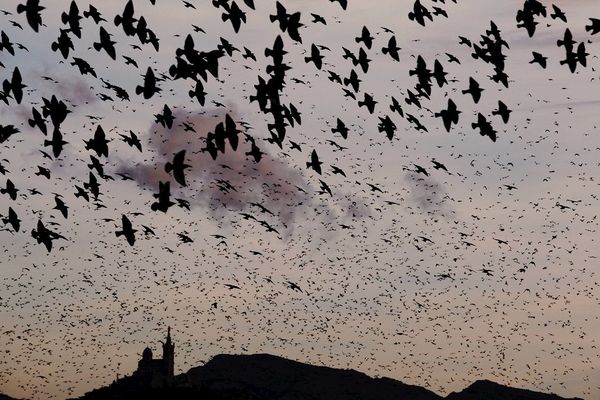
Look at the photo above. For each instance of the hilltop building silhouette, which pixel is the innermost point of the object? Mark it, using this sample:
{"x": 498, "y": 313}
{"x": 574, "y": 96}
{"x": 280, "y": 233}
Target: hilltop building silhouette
{"x": 156, "y": 373}
{"x": 152, "y": 377}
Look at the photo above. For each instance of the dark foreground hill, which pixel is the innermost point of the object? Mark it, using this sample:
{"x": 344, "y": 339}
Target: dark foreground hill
{"x": 270, "y": 377}
{"x": 487, "y": 390}
{"x": 5, "y": 397}
{"x": 267, "y": 377}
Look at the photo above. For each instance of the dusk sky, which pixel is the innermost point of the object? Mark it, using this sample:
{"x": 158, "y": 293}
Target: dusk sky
{"x": 488, "y": 270}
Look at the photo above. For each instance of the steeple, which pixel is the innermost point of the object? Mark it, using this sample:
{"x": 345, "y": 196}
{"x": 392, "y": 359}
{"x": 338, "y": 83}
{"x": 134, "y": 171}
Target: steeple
{"x": 168, "y": 335}
{"x": 169, "y": 356}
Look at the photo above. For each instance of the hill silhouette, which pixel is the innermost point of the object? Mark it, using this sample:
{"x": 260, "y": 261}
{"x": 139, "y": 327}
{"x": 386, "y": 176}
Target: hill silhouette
{"x": 488, "y": 390}
{"x": 272, "y": 377}
{"x": 266, "y": 377}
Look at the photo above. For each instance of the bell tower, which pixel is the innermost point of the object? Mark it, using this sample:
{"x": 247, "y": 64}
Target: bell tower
{"x": 169, "y": 357}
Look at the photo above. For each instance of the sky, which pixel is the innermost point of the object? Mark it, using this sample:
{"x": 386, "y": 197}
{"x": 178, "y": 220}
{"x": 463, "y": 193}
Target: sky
{"x": 486, "y": 271}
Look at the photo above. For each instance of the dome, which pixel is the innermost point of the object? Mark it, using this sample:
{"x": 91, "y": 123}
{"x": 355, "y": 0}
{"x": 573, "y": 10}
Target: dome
{"x": 147, "y": 354}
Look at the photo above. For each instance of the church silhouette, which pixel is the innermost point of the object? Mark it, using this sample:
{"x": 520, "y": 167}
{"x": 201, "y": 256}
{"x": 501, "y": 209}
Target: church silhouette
{"x": 157, "y": 373}
{"x": 153, "y": 379}
{"x": 151, "y": 376}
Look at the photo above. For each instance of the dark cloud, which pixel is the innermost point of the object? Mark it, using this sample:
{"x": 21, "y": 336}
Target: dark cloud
{"x": 229, "y": 183}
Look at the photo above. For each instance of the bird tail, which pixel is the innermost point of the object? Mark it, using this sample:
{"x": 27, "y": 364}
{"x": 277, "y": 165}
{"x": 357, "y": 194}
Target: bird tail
{"x": 154, "y": 42}
{"x": 168, "y": 167}
{"x": 97, "y": 46}
{"x": 21, "y": 8}
{"x": 308, "y": 165}
{"x": 139, "y": 90}
{"x": 64, "y": 18}
{"x": 119, "y": 233}
{"x": 385, "y": 50}
{"x": 118, "y": 20}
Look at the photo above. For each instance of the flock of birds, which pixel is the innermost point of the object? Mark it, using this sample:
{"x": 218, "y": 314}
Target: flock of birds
{"x": 295, "y": 197}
